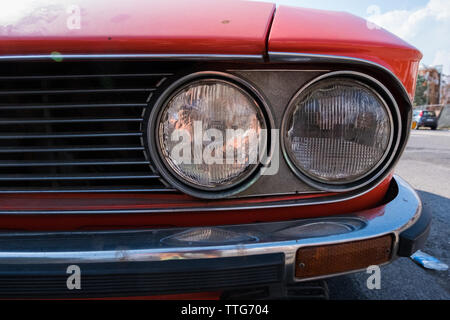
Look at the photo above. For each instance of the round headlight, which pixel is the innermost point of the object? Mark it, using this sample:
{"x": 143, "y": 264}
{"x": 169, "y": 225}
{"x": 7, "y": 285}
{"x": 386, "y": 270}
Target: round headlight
{"x": 208, "y": 134}
{"x": 337, "y": 131}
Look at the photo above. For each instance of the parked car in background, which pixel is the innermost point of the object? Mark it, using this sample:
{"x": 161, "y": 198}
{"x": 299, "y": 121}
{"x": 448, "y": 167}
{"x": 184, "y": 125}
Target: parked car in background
{"x": 118, "y": 177}
{"x": 424, "y": 118}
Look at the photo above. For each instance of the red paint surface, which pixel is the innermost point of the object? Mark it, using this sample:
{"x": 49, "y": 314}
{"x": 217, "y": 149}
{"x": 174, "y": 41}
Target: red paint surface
{"x": 140, "y": 26}
{"x": 342, "y": 34}
{"x": 171, "y": 219}
{"x": 108, "y": 201}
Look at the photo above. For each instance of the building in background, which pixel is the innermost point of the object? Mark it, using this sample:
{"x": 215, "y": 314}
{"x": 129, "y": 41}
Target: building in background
{"x": 445, "y": 90}
{"x": 432, "y": 80}
{"x": 433, "y": 89}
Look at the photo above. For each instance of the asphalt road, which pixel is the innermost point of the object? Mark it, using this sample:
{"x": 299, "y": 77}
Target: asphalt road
{"x": 426, "y": 166}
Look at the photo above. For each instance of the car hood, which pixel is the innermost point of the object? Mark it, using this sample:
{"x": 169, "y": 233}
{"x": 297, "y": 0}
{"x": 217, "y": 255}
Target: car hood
{"x": 135, "y": 26}
{"x": 198, "y": 27}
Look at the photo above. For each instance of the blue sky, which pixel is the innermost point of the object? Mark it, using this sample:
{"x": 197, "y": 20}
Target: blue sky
{"x": 423, "y": 23}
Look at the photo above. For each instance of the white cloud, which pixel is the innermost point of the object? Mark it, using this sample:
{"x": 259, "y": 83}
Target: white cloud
{"x": 16, "y": 10}
{"x": 427, "y": 28}
{"x": 407, "y": 23}
{"x": 439, "y": 8}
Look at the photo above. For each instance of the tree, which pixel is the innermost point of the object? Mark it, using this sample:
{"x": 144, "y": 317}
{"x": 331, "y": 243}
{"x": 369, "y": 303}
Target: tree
{"x": 420, "y": 97}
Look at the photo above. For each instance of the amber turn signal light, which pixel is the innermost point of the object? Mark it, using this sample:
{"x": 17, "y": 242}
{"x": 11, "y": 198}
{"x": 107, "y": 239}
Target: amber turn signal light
{"x": 339, "y": 258}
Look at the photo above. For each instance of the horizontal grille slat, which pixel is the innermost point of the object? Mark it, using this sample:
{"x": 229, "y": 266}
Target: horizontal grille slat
{"x": 71, "y": 163}
{"x": 70, "y": 135}
{"x": 79, "y": 120}
{"x": 77, "y": 126}
{"x": 79, "y": 76}
{"x": 72, "y": 149}
{"x": 7, "y": 177}
{"x": 75, "y": 106}
{"x": 45, "y": 92}
{"x": 97, "y": 189}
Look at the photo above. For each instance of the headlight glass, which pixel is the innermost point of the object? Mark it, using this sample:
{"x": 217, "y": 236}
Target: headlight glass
{"x": 209, "y": 133}
{"x": 337, "y": 131}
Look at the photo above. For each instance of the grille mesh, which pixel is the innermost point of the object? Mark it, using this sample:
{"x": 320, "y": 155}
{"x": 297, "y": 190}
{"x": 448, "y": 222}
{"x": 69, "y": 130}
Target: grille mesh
{"x": 76, "y": 126}
{"x": 120, "y": 279}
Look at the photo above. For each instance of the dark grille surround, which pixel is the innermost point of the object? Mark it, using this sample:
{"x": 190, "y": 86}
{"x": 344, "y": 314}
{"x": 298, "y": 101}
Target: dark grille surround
{"x": 76, "y": 126}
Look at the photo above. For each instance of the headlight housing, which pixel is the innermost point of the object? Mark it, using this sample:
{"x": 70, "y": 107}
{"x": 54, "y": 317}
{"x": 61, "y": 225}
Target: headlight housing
{"x": 209, "y": 135}
{"x": 336, "y": 132}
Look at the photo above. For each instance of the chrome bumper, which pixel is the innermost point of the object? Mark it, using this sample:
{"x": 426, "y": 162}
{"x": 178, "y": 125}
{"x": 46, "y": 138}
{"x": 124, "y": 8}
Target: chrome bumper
{"x": 116, "y": 247}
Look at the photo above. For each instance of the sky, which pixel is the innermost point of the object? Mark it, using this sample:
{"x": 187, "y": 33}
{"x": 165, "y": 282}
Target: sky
{"x": 423, "y": 23}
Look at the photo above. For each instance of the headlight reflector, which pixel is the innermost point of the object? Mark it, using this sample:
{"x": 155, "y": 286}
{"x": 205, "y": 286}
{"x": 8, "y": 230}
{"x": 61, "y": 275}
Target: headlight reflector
{"x": 222, "y": 123}
{"x": 337, "y": 131}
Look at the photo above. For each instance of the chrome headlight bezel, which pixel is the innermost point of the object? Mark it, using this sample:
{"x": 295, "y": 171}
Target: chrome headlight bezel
{"x": 390, "y": 105}
{"x": 154, "y": 144}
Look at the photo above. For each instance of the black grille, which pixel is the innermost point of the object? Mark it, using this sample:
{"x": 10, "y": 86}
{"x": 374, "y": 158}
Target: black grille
{"x": 76, "y": 126}
{"x": 141, "y": 278}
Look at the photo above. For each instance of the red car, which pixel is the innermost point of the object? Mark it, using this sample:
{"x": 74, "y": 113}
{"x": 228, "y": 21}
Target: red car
{"x": 200, "y": 148}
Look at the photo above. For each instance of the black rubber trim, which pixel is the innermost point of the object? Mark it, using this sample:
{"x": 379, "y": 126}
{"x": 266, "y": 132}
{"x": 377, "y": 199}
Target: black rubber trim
{"x": 122, "y": 279}
{"x": 414, "y": 238}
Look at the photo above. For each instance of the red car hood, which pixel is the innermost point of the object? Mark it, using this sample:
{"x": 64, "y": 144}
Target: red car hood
{"x": 137, "y": 26}
{"x": 200, "y": 26}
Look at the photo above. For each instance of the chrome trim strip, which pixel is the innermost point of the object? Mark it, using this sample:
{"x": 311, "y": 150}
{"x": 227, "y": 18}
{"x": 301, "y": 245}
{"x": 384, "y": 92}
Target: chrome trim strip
{"x": 96, "y": 247}
{"x": 145, "y": 56}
